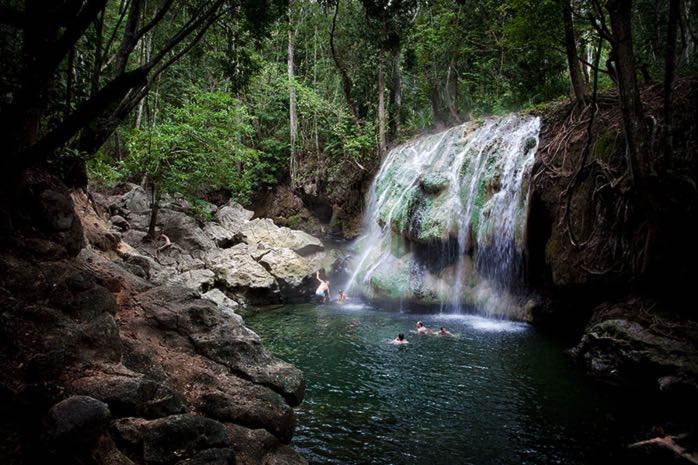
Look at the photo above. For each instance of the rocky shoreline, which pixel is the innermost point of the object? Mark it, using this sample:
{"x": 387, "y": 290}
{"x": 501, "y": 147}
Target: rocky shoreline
{"x": 115, "y": 352}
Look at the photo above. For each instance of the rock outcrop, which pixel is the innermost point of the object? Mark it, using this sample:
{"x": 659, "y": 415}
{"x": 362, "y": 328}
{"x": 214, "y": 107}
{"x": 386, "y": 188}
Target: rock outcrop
{"x": 109, "y": 359}
{"x": 633, "y": 341}
{"x": 613, "y": 259}
{"x": 249, "y": 260}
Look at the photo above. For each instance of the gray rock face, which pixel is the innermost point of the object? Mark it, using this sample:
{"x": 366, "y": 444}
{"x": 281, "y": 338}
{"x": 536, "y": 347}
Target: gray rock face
{"x": 237, "y": 269}
{"x": 172, "y": 439}
{"x": 220, "y": 235}
{"x": 290, "y": 269}
{"x": 232, "y": 217}
{"x": 221, "y": 338}
{"x": 184, "y": 231}
{"x": 103, "y": 326}
{"x": 77, "y": 420}
{"x": 120, "y": 222}
{"x": 135, "y": 200}
{"x": 622, "y": 342}
{"x": 265, "y": 232}
{"x": 218, "y": 297}
{"x": 251, "y": 261}
{"x": 132, "y": 396}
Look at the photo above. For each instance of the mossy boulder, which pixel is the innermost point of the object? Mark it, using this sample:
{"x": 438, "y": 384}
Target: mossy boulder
{"x": 433, "y": 183}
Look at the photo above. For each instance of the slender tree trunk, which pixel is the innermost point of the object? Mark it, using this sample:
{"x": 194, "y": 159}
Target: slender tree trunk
{"x": 97, "y": 67}
{"x": 669, "y": 72}
{"x": 346, "y": 82}
{"x": 450, "y": 90}
{"x": 315, "y": 129}
{"x": 395, "y": 94}
{"x": 154, "y": 208}
{"x": 576, "y": 77}
{"x": 69, "y": 83}
{"x": 146, "y": 51}
{"x": 381, "y": 101}
{"x": 293, "y": 120}
{"x": 688, "y": 36}
{"x": 129, "y": 35}
{"x": 631, "y": 106}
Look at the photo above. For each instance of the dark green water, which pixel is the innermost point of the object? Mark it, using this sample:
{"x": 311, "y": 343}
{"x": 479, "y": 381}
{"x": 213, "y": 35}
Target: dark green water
{"x": 497, "y": 393}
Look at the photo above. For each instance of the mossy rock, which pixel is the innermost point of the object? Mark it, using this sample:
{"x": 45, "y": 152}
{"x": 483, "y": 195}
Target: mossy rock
{"x": 390, "y": 280}
{"x": 433, "y": 183}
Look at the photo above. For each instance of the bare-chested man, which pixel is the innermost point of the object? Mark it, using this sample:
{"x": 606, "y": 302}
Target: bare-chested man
{"x": 323, "y": 290}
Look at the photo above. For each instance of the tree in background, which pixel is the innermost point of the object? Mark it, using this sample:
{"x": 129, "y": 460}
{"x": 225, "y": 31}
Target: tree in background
{"x": 197, "y": 148}
{"x": 103, "y": 57}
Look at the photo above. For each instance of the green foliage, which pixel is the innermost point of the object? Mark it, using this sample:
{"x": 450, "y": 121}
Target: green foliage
{"x": 219, "y": 117}
{"x": 103, "y": 172}
{"x": 198, "y": 147}
{"x": 294, "y": 221}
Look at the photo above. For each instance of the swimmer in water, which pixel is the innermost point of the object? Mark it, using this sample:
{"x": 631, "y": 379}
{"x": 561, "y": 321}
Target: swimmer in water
{"x": 444, "y": 332}
{"x": 421, "y": 329}
{"x": 399, "y": 340}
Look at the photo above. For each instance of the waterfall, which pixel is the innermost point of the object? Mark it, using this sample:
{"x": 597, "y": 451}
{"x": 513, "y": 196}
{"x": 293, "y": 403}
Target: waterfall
{"x": 445, "y": 219}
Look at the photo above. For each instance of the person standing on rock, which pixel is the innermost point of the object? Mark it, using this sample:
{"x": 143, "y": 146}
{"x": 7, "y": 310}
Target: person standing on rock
{"x": 323, "y": 290}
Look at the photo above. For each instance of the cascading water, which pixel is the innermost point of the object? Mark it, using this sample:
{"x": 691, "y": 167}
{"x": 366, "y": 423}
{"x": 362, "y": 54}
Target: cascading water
{"x": 445, "y": 219}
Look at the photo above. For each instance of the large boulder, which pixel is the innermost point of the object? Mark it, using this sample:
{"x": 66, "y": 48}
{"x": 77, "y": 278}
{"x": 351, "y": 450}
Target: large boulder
{"x": 131, "y": 395}
{"x": 236, "y": 269}
{"x": 289, "y": 268}
{"x": 233, "y": 216}
{"x": 223, "y": 237}
{"x": 183, "y": 230}
{"x": 265, "y": 233}
{"x": 172, "y": 439}
{"x": 135, "y": 200}
{"x": 75, "y": 421}
{"x": 221, "y": 338}
{"x": 624, "y": 342}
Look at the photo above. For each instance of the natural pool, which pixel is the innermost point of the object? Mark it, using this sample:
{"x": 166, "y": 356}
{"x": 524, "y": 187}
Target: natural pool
{"x": 497, "y": 393}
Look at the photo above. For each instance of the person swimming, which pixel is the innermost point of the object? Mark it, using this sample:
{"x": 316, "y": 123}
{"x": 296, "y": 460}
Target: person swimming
{"x": 400, "y": 339}
{"x": 421, "y": 329}
{"x": 323, "y": 290}
{"x": 444, "y": 332}
{"x": 342, "y": 297}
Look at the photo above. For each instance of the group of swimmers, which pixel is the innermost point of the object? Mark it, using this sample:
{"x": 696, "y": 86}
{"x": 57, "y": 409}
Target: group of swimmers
{"x": 323, "y": 291}
{"x": 420, "y": 329}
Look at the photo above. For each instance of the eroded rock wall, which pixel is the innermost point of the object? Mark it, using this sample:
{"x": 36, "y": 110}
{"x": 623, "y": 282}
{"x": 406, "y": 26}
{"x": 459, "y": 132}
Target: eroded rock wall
{"x": 604, "y": 257}
{"x": 102, "y": 366}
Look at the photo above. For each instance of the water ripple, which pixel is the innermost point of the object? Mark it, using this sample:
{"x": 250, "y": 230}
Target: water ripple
{"x": 495, "y": 394}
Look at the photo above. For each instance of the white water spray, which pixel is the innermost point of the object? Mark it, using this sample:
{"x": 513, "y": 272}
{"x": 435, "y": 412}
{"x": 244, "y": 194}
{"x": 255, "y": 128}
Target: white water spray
{"x": 445, "y": 218}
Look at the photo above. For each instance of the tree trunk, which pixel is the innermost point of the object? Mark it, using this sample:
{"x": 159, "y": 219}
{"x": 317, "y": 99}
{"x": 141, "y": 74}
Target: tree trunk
{"x": 293, "y": 120}
{"x": 669, "y": 72}
{"x": 129, "y": 35}
{"x": 395, "y": 94}
{"x": 315, "y": 129}
{"x": 381, "y": 102}
{"x": 146, "y": 52}
{"x": 97, "y": 66}
{"x": 688, "y": 36}
{"x": 154, "y": 208}
{"x": 640, "y": 163}
{"x": 69, "y": 82}
{"x": 631, "y": 106}
{"x": 346, "y": 82}
{"x": 576, "y": 77}
{"x": 450, "y": 91}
